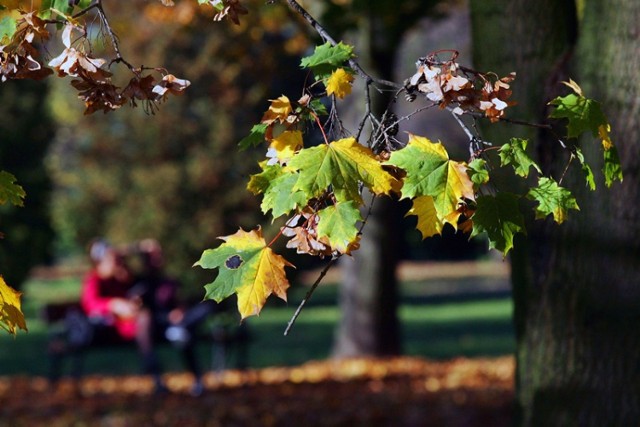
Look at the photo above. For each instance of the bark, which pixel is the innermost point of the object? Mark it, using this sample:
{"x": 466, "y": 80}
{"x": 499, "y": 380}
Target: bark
{"x": 577, "y": 286}
{"x": 368, "y": 297}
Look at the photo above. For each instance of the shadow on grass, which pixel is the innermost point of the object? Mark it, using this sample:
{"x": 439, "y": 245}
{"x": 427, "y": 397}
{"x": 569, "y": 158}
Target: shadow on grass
{"x": 441, "y": 319}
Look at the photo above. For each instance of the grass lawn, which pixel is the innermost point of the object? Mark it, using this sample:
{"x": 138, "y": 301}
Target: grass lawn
{"x": 460, "y": 321}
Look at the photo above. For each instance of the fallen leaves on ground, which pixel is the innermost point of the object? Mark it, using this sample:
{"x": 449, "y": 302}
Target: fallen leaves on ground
{"x": 355, "y": 392}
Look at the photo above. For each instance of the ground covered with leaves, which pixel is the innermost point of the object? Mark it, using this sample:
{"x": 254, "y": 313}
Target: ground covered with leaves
{"x": 354, "y": 392}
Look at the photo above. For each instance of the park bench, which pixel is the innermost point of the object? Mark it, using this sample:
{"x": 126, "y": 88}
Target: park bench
{"x": 228, "y": 339}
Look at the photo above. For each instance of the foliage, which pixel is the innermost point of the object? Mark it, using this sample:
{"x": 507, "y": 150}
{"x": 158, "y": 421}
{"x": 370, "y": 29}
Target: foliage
{"x": 321, "y": 185}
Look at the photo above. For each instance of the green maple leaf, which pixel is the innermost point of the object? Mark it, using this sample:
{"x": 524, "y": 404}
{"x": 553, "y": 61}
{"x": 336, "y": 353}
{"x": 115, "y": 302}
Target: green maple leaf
{"x": 338, "y": 224}
{"x": 343, "y": 165}
{"x": 277, "y": 185}
{"x": 500, "y": 218}
{"x": 431, "y": 173}
{"x": 9, "y": 190}
{"x": 248, "y": 268}
{"x": 477, "y": 171}
{"x": 612, "y": 168}
{"x": 552, "y": 200}
{"x": 586, "y": 169}
{"x": 255, "y": 137}
{"x": 327, "y": 58}
{"x": 515, "y": 153}
{"x": 583, "y": 114}
{"x": 7, "y": 28}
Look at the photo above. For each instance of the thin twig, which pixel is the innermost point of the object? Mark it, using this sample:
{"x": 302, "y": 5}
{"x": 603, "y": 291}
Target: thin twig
{"x": 113, "y": 37}
{"x": 323, "y": 273}
{"x": 307, "y": 297}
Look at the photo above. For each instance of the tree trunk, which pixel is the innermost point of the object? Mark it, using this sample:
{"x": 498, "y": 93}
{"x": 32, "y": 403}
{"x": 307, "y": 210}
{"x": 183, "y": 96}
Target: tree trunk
{"x": 368, "y": 297}
{"x": 577, "y": 286}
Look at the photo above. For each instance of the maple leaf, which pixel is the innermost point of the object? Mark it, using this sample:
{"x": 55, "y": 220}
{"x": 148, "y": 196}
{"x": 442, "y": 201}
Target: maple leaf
{"x": 428, "y": 222}
{"x": 515, "y": 153}
{"x": 339, "y": 83}
{"x": 500, "y": 218}
{"x": 338, "y": 224}
{"x": 285, "y": 145}
{"x": 583, "y": 114}
{"x": 276, "y": 183}
{"x": 586, "y": 169}
{"x": 279, "y": 110}
{"x": 552, "y": 200}
{"x": 8, "y": 26}
{"x": 431, "y": 173}
{"x": 11, "y": 316}
{"x": 326, "y": 58}
{"x": 612, "y": 168}
{"x": 586, "y": 115}
{"x": 248, "y": 268}
{"x": 477, "y": 171}
{"x": 342, "y": 164}
{"x": 255, "y": 137}
{"x": 9, "y": 190}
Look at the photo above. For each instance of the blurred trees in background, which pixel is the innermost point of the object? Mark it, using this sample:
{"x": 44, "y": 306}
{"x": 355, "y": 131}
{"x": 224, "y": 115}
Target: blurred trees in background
{"x": 177, "y": 174}
{"x": 25, "y": 132}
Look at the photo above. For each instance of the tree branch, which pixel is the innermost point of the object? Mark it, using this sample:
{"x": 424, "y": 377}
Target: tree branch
{"x": 296, "y": 7}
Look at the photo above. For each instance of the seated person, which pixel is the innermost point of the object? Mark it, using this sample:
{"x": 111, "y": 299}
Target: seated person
{"x": 141, "y": 308}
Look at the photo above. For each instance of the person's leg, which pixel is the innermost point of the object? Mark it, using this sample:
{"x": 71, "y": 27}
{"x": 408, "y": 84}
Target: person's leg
{"x": 144, "y": 341}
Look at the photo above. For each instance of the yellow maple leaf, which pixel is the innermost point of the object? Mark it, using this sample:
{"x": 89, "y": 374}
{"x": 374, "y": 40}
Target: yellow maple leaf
{"x": 339, "y": 83}
{"x": 248, "y": 267}
{"x": 279, "y": 110}
{"x": 286, "y": 144}
{"x": 603, "y": 132}
{"x": 11, "y": 316}
{"x": 428, "y": 222}
{"x": 269, "y": 278}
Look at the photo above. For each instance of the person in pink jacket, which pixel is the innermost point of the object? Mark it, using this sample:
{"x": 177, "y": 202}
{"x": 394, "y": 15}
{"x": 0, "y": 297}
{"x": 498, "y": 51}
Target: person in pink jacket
{"x": 104, "y": 296}
{"x": 110, "y": 307}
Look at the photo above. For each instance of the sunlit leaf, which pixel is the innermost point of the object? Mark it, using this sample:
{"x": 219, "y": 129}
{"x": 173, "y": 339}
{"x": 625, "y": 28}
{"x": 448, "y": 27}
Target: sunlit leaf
{"x": 326, "y": 58}
{"x": 586, "y": 169}
{"x": 583, "y": 114}
{"x": 255, "y": 138}
{"x": 477, "y": 171}
{"x": 514, "y": 153}
{"x": 248, "y": 268}
{"x": 343, "y": 165}
{"x": 431, "y": 173}
{"x": 338, "y": 224}
{"x": 552, "y": 200}
{"x": 279, "y": 110}
{"x": 11, "y": 316}
{"x": 277, "y": 185}
{"x": 339, "y": 83}
{"x": 7, "y": 28}
{"x": 500, "y": 218}
{"x": 286, "y": 144}
{"x": 428, "y": 222}
{"x": 612, "y": 167}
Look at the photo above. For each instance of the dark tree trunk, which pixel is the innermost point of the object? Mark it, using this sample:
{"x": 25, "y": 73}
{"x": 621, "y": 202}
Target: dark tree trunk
{"x": 368, "y": 295}
{"x": 577, "y": 286}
